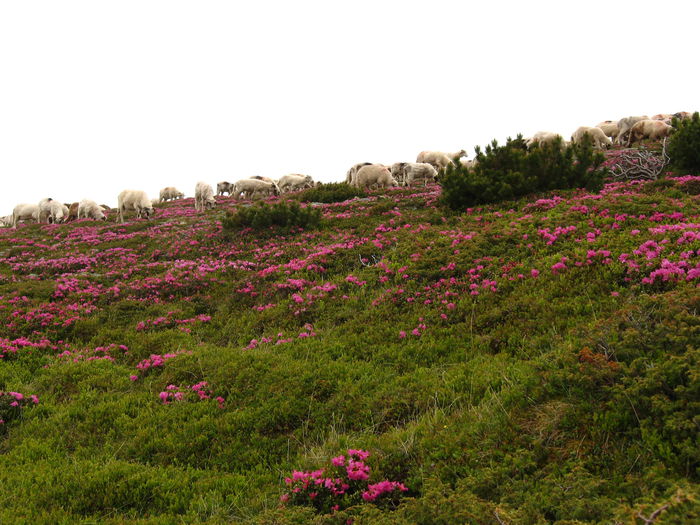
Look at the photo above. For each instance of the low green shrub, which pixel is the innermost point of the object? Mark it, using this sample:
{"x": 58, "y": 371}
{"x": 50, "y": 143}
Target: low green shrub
{"x": 684, "y": 144}
{"x": 332, "y": 192}
{"x": 283, "y": 215}
{"x": 512, "y": 170}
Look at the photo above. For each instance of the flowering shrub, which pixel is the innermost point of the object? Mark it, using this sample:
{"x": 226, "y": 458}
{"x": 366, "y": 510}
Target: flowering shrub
{"x": 342, "y": 484}
{"x": 12, "y": 404}
{"x": 197, "y": 392}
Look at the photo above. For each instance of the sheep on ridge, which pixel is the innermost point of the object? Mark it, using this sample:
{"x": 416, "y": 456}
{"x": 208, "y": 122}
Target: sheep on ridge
{"x": 406, "y": 173}
{"x": 25, "y": 212}
{"x": 648, "y": 129}
{"x": 203, "y": 196}
{"x": 252, "y": 187}
{"x": 440, "y": 160}
{"x": 294, "y": 182}
{"x": 136, "y": 200}
{"x": 224, "y": 187}
{"x": 170, "y": 193}
{"x": 368, "y": 176}
{"x": 88, "y": 209}
{"x": 600, "y": 140}
{"x": 625, "y": 125}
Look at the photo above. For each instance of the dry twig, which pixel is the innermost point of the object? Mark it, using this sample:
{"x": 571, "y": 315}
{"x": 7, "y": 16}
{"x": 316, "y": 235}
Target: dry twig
{"x": 635, "y": 164}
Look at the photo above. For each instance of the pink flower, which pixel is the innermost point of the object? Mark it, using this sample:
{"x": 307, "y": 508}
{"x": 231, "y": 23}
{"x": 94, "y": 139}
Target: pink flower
{"x": 338, "y": 461}
{"x": 133, "y": 377}
{"x": 534, "y": 272}
{"x": 402, "y": 334}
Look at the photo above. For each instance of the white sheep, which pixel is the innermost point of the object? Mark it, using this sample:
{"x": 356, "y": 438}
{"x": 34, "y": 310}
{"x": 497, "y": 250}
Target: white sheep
{"x": 625, "y": 125}
{"x": 368, "y": 176}
{"x": 294, "y": 181}
{"x": 170, "y": 193}
{"x": 544, "y": 137}
{"x": 88, "y": 209}
{"x": 268, "y": 179}
{"x": 52, "y": 211}
{"x": 406, "y": 173}
{"x": 224, "y": 187}
{"x": 440, "y": 160}
{"x": 350, "y": 175}
{"x": 649, "y": 129}
{"x": 136, "y": 200}
{"x": 600, "y": 140}
{"x": 610, "y": 128}
{"x": 252, "y": 187}
{"x": 6, "y": 221}
{"x": 25, "y": 212}
{"x": 203, "y": 196}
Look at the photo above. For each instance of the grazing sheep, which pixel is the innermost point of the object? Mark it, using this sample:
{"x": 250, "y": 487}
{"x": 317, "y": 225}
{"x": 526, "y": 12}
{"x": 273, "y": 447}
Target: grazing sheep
{"x": 600, "y": 140}
{"x": 25, "y": 212}
{"x": 625, "y": 125}
{"x": 683, "y": 115}
{"x": 267, "y": 179}
{"x": 88, "y": 209}
{"x": 252, "y": 187}
{"x": 610, "y": 128}
{"x": 664, "y": 117}
{"x": 136, "y": 200}
{"x": 368, "y": 176}
{"x": 170, "y": 193}
{"x": 405, "y": 173}
{"x": 350, "y": 175}
{"x": 52, "y": 211}
{"x": 203, "y": 196}
{"x": 544, "y": 137}
{"x": 73, "y": 211}
{"x": 648, "y": 129}
{"x": 222, "y": 187}
{"x": 294, "y": 182}
{"x": 438, "y": 159}
{"x": 469, "y": 164}
{"x": 6, "y": 221}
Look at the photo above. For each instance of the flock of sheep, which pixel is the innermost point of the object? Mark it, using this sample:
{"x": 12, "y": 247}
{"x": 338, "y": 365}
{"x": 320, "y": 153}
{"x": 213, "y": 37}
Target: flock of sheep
{"x": 625, "y": 131}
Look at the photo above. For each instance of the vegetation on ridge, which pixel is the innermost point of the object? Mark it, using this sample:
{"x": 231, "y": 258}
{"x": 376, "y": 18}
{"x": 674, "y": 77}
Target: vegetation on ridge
{"x": 528, "y": 361}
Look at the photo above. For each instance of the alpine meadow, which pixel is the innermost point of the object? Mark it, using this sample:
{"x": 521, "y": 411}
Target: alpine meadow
{"x": 514, "y": 340}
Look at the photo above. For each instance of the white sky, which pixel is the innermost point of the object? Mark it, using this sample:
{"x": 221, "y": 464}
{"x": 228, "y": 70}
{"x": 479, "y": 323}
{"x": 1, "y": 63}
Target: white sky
{"x": 99, "y": 96}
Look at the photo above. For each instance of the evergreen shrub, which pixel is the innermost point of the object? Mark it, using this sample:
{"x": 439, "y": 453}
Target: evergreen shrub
{"x": 684, "y": 144}
{"x": 332, "y": 192}
{"x": 283, "y": 215}
{"x": 511, "y": 171}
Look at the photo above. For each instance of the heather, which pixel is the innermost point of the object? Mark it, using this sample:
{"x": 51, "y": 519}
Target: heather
{"x": 526, "y": 361}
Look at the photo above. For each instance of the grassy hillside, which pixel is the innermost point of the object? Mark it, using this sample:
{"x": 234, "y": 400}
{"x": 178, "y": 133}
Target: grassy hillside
{"x": 528, "y": 362}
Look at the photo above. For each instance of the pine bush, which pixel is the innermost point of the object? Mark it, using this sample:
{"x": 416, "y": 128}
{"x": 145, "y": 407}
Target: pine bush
{"x": 684, "y": 144}
{"x": 511, "y": 171}
{"x": 282, "y": 215}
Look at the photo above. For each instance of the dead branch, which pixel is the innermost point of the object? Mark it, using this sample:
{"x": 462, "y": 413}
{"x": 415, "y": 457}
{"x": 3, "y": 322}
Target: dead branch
{"x": 652, "y": 517}
{"x": 636, "y": 164}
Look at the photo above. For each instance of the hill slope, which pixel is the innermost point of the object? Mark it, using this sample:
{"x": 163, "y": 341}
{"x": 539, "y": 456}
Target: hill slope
{"x": 534, "y": 361}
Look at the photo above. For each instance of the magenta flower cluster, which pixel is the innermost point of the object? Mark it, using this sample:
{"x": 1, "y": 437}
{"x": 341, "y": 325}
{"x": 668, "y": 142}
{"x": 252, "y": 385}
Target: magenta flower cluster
{"x": 197, "y": 392}
{"x": 345, "y": 482}
{"x": 12, "y": 403}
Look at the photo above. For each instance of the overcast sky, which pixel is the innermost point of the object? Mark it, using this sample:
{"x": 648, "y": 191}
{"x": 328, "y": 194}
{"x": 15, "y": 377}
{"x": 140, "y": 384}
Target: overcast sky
{"x": 100, "y": 96}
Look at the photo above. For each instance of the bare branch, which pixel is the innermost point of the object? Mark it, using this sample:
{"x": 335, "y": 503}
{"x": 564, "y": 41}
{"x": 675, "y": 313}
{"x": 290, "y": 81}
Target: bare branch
{"x": 635, "y": 164}
{"x": 652, "y": 517}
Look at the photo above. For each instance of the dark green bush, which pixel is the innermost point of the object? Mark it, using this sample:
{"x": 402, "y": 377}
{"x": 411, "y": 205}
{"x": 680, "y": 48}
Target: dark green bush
{"x": 684, "y": 144}
{"x": 511, "y": 171}
{"x": 284, "y": 215}
{"x": 332, "y": 192}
